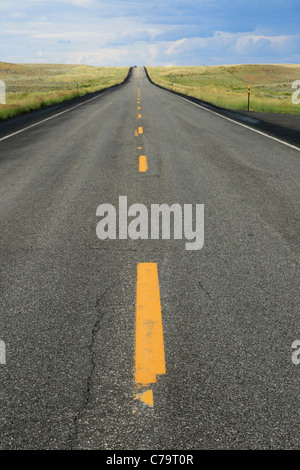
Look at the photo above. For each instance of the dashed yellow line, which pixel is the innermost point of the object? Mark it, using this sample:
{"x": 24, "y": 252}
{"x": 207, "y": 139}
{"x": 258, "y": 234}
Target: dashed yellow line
{"x": 149, "y": 341}
{"x": 143, "y": 165}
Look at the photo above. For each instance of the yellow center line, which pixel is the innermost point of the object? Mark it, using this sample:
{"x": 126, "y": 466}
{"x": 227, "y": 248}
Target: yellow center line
{"x": 149, "y": 341}
{"x": 143, "y": 165}
{"x": 140, "y": 129}
{"x": 139, "y": 116}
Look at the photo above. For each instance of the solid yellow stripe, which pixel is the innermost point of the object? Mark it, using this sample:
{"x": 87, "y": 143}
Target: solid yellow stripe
{"x": 141, "y": 130}
{"x": 143, "y": 165}
{"x": 149, "y": 342}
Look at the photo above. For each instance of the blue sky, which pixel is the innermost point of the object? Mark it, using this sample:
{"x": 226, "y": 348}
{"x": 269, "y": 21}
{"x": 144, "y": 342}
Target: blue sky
{"x": 150, "y": 32}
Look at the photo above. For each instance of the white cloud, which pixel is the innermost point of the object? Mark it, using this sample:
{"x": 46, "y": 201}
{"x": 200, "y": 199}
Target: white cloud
{"x": 18, "y": 15}
{"x": 153, "y": 52}
{"x": 78, "y": 3}
{"x": 103, "y": 57}
{"x": 104, "y": 33}
{"x": 176, "y": 46}
{"x": 239, "y": 44}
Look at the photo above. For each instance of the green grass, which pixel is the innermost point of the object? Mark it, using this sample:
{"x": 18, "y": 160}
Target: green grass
{"x": 32, "y": 86}
{"x": 227, "y": 85}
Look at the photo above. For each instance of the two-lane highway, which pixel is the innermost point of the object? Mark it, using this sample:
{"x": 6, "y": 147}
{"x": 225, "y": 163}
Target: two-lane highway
{"x": 142, "y": 344}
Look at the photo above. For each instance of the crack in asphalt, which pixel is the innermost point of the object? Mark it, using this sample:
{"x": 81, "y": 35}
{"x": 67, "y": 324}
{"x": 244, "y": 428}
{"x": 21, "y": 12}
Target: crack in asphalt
{"x": 99, "y": 307}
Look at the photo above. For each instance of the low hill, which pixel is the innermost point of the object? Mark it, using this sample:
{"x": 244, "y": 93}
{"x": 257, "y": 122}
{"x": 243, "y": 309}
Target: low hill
{"x": 31, "y": 86}
{"x": 227, "y": 85}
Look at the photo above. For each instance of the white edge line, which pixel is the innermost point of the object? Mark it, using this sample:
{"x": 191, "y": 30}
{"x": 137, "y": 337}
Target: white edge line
{"x": 236, "y": 122}
{"x": 51, "y": 117}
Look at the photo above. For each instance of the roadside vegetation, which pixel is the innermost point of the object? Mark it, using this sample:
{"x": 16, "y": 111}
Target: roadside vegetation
{"x": 32, "y": 86}
{"x": 227, "y": 85}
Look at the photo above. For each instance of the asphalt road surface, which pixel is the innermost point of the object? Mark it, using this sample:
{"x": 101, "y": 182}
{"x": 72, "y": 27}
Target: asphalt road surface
{"x": 226, "y": 314}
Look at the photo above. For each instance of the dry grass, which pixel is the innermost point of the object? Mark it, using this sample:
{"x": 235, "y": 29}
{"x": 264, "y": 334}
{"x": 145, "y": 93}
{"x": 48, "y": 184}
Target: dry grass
{"x": 32, "y": 86}
{"x": 227, "y": 85}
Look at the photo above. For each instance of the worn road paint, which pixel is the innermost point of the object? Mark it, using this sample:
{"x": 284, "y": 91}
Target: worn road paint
{"x": 146, "y": 397}
{"x": 149, "y": 342}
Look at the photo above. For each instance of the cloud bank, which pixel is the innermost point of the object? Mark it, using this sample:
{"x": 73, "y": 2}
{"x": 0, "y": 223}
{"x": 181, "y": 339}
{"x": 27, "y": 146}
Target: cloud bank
{"x": 113, "y": 33}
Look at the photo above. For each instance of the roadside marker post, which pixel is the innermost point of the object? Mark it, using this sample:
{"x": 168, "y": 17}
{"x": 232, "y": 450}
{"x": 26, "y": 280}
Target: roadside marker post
{"x": 249, "y": 92}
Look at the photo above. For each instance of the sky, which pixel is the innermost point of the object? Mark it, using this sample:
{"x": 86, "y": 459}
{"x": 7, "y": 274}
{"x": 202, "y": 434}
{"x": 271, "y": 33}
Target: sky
{"x": 150, "y": 32}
